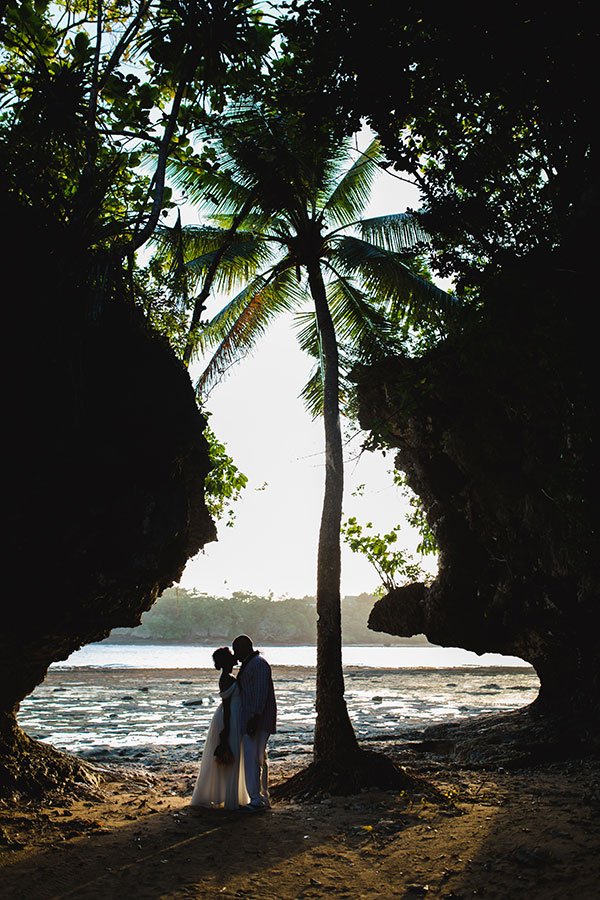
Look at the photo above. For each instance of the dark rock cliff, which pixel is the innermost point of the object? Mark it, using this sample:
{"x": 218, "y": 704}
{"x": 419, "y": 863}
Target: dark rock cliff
{"x": 105, "y": 470}
{"x": 497, "y": 430}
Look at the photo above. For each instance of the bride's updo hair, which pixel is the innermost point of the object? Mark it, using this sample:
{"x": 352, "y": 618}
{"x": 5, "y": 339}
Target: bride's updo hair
{"x": 223, "y": 657}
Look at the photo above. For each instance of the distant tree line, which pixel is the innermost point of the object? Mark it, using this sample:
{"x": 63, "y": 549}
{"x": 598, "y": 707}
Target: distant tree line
{"x": 186, "y": 616}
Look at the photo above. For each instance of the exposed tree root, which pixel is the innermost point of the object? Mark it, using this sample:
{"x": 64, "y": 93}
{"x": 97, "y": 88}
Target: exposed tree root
{"x": 363, "y": 769}
{"x": 31, "y": 769}
{"x": 518, "y": 738}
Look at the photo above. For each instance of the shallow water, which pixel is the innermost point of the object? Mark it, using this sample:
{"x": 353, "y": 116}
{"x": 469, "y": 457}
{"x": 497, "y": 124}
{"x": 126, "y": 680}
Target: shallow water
{"x": 183, "y": 656}
{"x": 158, "y": 715}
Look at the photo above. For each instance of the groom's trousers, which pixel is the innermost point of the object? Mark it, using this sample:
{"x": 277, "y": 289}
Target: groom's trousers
{"x": 256, "y": 764}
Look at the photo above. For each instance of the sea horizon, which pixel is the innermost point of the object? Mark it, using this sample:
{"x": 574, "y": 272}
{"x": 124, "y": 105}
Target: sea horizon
{"x": 199, "y": 656}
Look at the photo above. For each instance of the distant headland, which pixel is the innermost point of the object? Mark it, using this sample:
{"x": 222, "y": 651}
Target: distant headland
{"x": 180, "y": 616}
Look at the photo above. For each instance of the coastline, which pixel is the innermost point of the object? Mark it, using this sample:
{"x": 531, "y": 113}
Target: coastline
{"x": 415, "y": 641}
{"x": 158, "y": 717}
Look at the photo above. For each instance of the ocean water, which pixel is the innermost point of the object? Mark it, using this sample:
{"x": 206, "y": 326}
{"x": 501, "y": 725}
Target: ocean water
{"x": 136, "y": 656}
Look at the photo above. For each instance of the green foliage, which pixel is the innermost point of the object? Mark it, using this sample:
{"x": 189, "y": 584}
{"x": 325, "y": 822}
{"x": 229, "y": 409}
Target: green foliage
{"x": 162, "y": 305}
{"x": 284, "y": 194}
{"x": 417, "y": 518}
{"x": 390, "y": 561}
{"x": 87, "y": 86}
{"x": 490, "y": 109}
{"x": 181, "y": 615}
{"x": 224, "y": 483}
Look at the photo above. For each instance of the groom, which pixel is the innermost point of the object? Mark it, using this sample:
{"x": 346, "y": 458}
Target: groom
{"x": 258, "y": 714}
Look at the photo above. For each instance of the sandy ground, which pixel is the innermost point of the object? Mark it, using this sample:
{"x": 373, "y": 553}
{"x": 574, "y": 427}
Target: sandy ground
{"x": 530, "y": 834}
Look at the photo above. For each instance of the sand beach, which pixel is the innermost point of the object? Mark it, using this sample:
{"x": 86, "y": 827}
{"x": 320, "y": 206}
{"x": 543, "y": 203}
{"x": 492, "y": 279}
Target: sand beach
{"x": 531, "y": 834}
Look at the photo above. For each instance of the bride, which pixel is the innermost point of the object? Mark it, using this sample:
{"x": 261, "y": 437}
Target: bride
{"x": 221, "y": 781}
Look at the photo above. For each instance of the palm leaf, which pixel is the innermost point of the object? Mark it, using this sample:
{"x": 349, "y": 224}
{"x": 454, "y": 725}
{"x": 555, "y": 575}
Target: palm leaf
{"x": 352, "y": 193}
{"x": 388, "y": 278}
{"x": 312, "y": 392}
{"x": 169, "y": 250}
{"x": 239, "y": 262}
{"x": 360, "y": 323}
{"x": 240, "y": 324}
{"x": 189, "y": 252}
{"x": 265, "y": 225}
{"x": 194, "y": 240}
{"x": 401, "y": 232}
{"x": 363, "y": 334}
{"x": 217, "y": 191}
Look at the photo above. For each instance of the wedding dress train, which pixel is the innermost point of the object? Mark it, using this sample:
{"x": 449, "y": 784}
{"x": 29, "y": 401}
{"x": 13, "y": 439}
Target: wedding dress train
{"x": 218, "y": 785}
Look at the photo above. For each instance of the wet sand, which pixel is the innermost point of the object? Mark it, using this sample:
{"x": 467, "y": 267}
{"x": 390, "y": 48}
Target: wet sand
{"x": 159, "y": 717}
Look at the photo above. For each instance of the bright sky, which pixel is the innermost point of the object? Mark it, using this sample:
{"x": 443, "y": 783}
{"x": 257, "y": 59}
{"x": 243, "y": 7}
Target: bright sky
{"x": 256, "y": 412}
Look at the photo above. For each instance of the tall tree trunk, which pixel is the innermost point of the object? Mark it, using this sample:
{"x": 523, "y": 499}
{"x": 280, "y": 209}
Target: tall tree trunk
{"x": 334, "y": 735}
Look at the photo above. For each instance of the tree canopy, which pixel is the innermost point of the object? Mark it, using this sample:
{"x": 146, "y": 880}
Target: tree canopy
{"x": 87, "y": 86}
{"x": 282, "y": 193}
{"x": 490, "y": 109}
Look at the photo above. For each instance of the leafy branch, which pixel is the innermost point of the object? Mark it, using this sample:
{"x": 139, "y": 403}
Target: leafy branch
{"x": 390, "y": 562}
{"x": 224, "y": 483}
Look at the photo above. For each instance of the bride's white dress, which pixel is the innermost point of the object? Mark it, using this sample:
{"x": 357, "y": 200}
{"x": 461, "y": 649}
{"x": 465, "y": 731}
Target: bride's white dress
{"x": 219, "y": 785}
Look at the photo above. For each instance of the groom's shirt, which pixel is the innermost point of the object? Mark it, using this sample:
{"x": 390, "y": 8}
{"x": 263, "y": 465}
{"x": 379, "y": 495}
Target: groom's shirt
{"x": 258, "y": 694}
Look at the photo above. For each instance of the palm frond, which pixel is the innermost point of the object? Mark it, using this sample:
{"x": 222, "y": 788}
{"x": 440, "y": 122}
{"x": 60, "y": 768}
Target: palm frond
{"x": 169, "y": 251}
{"x": 194, "y": 239}
{"x": 400, "y": 232}
{"x": 239, "y": 325}
{"x": 255, "y": 222}
{"x": 217, "y": 191}
{"x": 305, "y": 326}
{"x": 237, "y": 264}
{"x": 363, "y": 334}
{"x": 351, "y": 194}
{"x": 312, "y": 393}
{"x": 359, "y": 322}
{"x": 386, "y": 277}
{"x": 189, "y": 252}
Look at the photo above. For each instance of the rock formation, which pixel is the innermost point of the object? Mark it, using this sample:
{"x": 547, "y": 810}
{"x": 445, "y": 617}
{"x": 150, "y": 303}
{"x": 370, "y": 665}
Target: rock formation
{"x": 105, "y": 476}
{"x": 497, "y": 430}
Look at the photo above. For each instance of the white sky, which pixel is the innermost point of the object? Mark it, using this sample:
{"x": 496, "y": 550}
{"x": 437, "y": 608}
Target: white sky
{"x": 256, "y": 412}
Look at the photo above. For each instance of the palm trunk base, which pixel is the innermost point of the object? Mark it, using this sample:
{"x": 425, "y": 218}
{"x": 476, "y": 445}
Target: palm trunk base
{"x": 358, "y": 770}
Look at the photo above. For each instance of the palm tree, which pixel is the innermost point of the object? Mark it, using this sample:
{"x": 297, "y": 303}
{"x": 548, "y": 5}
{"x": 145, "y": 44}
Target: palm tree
{"x": 284, "y": 222}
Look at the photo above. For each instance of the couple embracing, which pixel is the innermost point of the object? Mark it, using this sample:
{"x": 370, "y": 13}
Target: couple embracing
{"x": 234, "y": 771}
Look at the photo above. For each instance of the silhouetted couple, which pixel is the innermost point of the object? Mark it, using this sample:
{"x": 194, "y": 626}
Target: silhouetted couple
{"x": 234, "y": 772}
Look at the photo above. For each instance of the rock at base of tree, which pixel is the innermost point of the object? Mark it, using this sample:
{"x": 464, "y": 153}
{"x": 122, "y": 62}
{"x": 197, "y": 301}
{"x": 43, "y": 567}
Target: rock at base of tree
{"x": 513, "y": 740}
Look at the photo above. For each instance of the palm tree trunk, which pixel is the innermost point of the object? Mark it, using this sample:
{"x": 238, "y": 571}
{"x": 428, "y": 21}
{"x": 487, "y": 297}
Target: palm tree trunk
{"x": 334, "y": 735}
